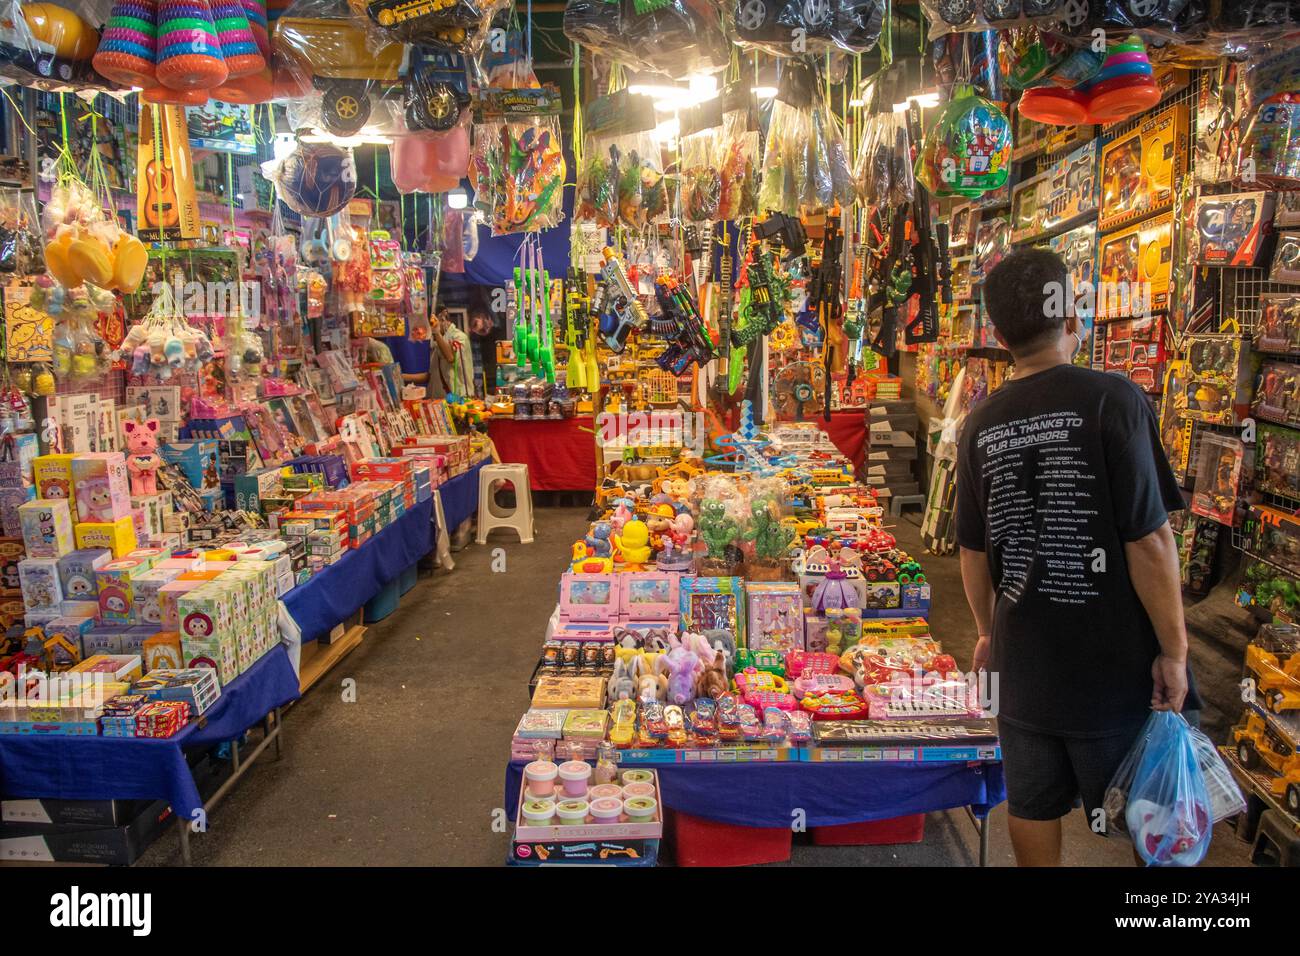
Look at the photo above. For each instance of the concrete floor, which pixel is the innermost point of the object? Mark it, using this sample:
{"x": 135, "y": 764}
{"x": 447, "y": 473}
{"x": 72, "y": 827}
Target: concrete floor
{"x": 411, "y": 773}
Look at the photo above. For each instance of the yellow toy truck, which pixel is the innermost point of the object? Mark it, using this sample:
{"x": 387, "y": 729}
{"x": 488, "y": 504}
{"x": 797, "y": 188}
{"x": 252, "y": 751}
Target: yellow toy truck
{"x": 1273, "y": 662}
{"x": 1262, "y": 744}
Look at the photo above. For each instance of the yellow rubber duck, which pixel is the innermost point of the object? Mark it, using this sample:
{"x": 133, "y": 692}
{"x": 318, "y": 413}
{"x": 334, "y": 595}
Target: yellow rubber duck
{"x": 634, "y": 543}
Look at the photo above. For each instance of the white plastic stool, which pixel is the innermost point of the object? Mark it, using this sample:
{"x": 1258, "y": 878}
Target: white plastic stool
{"x": 491, "y": 515}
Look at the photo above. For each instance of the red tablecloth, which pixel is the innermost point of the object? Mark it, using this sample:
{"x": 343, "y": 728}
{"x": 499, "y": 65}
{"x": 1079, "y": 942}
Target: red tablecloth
{"x": 848, "y": 430}
{"x": 560, "y": 455}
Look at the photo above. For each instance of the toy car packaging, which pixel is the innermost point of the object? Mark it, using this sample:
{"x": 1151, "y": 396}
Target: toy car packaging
{"x": 964, "y": 16}
{"x": 449, "y": 24}
{"x": 1230, "y": 228}
{"x": 792, "y": 27}
{"x": 968, "y": 151}
{"x": 673, "y": 37}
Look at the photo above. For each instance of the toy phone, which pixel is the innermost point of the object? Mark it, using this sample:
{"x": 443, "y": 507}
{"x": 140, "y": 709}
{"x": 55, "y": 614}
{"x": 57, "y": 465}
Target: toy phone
{"x": 589, "y": 597}
{"x": 649, "y": 596}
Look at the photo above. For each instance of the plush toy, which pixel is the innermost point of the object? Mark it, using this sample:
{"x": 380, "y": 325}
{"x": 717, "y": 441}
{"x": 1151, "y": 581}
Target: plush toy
{"x": 683, "y": 666}
{"x": 142, "y": 461}
{"x": 713, "y": 682}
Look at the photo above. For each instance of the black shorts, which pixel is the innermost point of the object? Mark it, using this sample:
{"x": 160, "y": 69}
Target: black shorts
{"x": 1048, "y": 775}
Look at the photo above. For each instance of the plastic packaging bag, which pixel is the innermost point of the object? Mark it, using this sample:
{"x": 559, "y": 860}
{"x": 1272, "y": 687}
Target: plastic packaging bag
{"x": 737, "y": 167}
{"x": 1159, "y": 796}
{"x": 460, "y": 25}
{"x": 795, "y": 27}
{"x": 674, "y": 37}
{"x": 701, "y": 180}
{"x": 883, "y": 171}
{"x": 622, "y": 182}
{"x": 785, "y": 159}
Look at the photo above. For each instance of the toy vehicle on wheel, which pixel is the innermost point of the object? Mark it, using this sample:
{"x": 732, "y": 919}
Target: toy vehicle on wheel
{"x": 877, "y": 568}
{"x": 1261, "y": 744}
{"x": 1273, "y": 662}
{"x": 335, "y": 54}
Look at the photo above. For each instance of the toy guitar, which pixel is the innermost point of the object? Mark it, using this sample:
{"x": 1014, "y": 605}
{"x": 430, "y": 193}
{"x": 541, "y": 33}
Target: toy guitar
{"x": 160, "y": 208}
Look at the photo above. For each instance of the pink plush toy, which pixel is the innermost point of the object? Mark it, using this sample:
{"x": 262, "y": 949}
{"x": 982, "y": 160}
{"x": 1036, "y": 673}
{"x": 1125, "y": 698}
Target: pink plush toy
{"x": 142, "y": 461}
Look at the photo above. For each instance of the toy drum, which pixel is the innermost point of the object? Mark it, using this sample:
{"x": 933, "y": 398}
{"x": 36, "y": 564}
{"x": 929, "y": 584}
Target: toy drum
{"x": 575, "y": 776}
{"x": 540, "y": 777}
{"x": 572, "y": 813}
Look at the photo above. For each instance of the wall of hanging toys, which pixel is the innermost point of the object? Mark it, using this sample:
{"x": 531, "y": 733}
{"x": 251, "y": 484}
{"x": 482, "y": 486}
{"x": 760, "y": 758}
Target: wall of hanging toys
{"x": 717, "y": 264}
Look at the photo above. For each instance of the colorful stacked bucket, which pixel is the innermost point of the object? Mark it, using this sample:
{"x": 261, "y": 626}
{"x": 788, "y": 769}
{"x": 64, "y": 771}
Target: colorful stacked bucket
{"x": 238, "y": 44}
{"x": 128, "y": 51}
{"x": 1123, "y": 86}
{"x": 189, "y": 53}
{"x": 255, "y": 10}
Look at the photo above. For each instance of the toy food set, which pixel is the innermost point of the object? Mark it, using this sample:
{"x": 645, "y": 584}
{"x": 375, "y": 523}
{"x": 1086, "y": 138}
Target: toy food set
{"x": 1230, "y": 229}
{"x": 1134, "y": 269}
{"x": 1141, "y": 169}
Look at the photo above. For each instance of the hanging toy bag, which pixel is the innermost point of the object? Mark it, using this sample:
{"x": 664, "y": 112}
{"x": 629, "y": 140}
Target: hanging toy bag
{"x": 968, "y": 152}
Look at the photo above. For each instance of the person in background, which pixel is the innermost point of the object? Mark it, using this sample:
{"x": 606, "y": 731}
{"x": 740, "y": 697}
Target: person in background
{"x": 451, "y": 365}
{"x": 1068, "y": 561}
{"x": 483, "y": 327}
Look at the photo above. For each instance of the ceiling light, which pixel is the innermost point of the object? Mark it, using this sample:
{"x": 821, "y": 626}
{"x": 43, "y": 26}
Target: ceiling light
{"x": 458, "y": 198}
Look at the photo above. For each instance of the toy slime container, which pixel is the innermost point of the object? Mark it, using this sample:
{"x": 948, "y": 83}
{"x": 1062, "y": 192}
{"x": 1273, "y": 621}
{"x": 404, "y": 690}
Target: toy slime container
{"x": 539, "y": 813}
{"x": 637, "y": 776}
{"x": 639, "y": 790}
{"x": 603, "y": 790}
{"x": 575, "y": 774}
{"x": 572, "y": 812}
{"x": 540, "y": 775}
{"x": 640, "y": 809}
{"x": 606, "y": 810}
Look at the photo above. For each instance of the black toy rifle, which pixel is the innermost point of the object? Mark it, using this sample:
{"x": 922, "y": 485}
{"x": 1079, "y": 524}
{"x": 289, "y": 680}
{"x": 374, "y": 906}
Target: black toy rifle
{"x": 824, "y": 289}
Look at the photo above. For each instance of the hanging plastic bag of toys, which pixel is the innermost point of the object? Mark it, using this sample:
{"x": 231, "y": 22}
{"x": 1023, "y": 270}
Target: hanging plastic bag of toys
{"x": 1269, "y": 151}
{"x": 968, "y": 151}
{"x": 738, "y": 165}
{"x": 597, "y": 190}
{"x": 430, "y": 162}
{"x": 799, "y": 27}
{"x": 21, "y": 253}
{"x": 318, "y": 51}
{"x": 435, "y": 90}
{"x": 673, "y": 37}
{"x": 49, "y": 47}
{"x": 964, "y": 16}
{"x": 528, "y": 180}
{"x": 701, "y": 179}
{"x": 785, "y": 159}
{"x": 827, "y": 128}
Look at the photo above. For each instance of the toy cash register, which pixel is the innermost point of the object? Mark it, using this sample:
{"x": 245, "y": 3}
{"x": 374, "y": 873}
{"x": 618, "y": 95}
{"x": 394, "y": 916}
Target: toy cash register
{"x": 589, "y": 606}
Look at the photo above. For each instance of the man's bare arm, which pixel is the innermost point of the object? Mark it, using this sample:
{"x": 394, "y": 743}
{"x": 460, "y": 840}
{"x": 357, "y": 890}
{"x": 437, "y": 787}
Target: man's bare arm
{"x": 1153, "y": 569}
{"x": 978, "y": 585}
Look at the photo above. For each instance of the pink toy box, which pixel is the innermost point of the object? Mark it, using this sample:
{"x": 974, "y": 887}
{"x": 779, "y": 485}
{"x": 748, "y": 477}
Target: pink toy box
{"x": 649, "y": 599}
{"x": 102, "y": 490}
{"x": 775, "y": 616}
{"x": 591, "y": 600}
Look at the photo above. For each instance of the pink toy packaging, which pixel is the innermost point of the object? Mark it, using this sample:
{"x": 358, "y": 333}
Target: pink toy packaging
{"x": 142, "y": 459}
{"x": 775, "y": 616}
{"x": 101, "y": 486}
{"x": 649, "y": 598}
{"x": 589, "y": 597}
{"x": 146, "y": 598}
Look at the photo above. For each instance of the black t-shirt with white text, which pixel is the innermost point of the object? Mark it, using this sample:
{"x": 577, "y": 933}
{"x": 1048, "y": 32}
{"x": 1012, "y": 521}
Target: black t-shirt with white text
{"x": 1055, "y": 473}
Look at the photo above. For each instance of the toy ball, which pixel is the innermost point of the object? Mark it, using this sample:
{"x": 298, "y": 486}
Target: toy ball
{"x": 43, "y": 383}
{"x": 317, "y": 179}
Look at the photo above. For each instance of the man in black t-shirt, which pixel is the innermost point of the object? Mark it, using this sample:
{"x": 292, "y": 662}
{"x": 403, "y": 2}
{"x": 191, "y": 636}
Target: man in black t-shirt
{"x": 1068, "y": 561}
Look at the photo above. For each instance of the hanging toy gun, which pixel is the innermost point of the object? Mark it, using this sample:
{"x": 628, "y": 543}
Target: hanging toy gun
{"x": 764, "y": 314}
{"x": 621, "y": 312}
{"x": 824, "y": 294}
{"x": 893, "y": 285}
{"x": 546, "y": 343}
{"x": 577, "y": 325}
{"x": 684, "y": 327}
{"x": 855, "y": 313}
{"x": 515, "y": 309}
{"x": 927, "y": 283}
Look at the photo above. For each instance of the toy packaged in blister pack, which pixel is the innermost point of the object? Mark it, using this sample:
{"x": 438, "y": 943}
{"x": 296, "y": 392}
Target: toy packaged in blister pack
{"x": 792, "y": 27}
{"x": 992, "y": 242}
{"x": 1218, "y": 478}
{"x": 1029, "y": 207}
{"x": 1270, "y": 119}
{"x": 1135, "y": 348}
{"x": 1278, "y": 330}
{"x": 674, "y": 37}
{"x": 1286, "y": 259}
{"x": 1230, "y": 228}
{"x": 1277, "y": 453}
{"x": 1175, "y": 428}
{"x": 1220, "y": 371}
{"x": 1135, "y": 268}
{"x": 1140, "y": 169}
{"x": 1278, "y": 396}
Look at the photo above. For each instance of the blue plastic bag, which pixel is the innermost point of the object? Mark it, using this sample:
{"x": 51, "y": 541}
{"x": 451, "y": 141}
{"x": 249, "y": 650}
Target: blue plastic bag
{"x": 1168, "y": 812}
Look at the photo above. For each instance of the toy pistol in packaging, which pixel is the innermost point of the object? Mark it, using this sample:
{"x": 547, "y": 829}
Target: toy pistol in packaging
{"x": 622, "y": 313}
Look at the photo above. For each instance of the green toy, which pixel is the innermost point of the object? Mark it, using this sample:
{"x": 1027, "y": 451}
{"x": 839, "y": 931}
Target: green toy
{"x": 771, "y": 538}
{"x": 717, "y": 529}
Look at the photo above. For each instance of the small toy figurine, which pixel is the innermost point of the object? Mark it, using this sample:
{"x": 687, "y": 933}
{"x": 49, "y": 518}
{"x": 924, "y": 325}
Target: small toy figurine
{"x": 717, "y": 529}
{"x": 634, "y": 543}
{"x": 598, "y": 539}
{"x": 142, "y": 460}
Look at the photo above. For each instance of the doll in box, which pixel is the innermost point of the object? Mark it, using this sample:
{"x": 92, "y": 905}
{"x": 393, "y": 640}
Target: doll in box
{"x": 775, "y": 616}
{"x": 40, "y": 583}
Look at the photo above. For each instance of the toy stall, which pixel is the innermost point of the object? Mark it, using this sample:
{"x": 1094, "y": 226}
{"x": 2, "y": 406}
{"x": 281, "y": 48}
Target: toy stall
{"x": 728, "y": 261}
{"x": 215, "y": 475}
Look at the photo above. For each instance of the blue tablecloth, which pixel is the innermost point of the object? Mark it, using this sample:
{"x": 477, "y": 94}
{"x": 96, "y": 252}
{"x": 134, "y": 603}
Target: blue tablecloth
{"x": 339, "y": 591}
{"x": 460, "y": 497}
{"x": 766, "y": 794}
{"x": 139, "y": 768}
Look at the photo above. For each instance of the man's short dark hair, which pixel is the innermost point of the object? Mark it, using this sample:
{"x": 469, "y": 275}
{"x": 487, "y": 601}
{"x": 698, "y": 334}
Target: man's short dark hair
{"x": 1019, "y": 296}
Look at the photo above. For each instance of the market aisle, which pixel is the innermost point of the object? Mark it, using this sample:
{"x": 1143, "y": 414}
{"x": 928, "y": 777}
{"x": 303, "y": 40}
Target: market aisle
{"x": 412, "y": 772}
{"x": 409, "y": 774}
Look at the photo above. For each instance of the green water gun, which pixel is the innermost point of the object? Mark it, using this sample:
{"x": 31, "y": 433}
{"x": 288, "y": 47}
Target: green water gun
{"x": 546, "y": 349}
{"x": 521, "y": 329}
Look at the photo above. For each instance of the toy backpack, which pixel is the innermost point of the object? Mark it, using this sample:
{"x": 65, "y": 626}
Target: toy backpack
{"x": 968, "y": 152}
